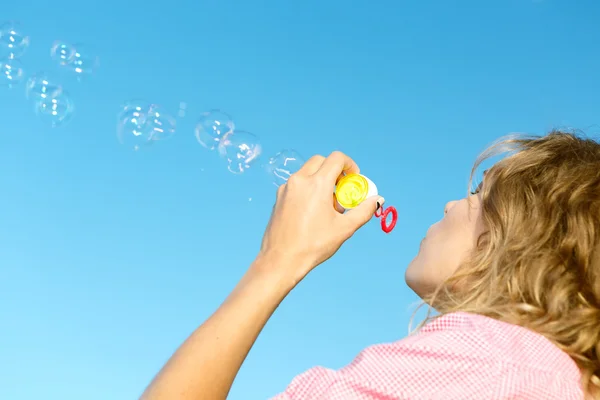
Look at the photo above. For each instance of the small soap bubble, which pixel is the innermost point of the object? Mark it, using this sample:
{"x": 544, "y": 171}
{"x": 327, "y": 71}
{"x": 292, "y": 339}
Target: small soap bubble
{"x": 11, "y": 72}
{"x": 62, "y": 52}
{"x": 13, "y": 43}
{"x": 282, "y": 165}
{"x": 57, "y": 109}
{"x": 211, "y": 127}
{"x": 240, "y": 149}
{"x": 160, "y": 125}
{"x": 84, "y": 61}
{"x": 182, "y": 108}
{"x": 132, "y": 125}
{"x": 40, "y": 87}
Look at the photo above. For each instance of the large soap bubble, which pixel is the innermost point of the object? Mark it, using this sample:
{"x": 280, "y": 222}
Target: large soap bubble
{"x": 241, "y": 149}
{"x": 56, "y": 109}
{"x": 211, "y": 127}
{"x": 282, "y": 165}
{"x": 13, "y": 42}
{"x": 160, "y": 123}
{"x": 40, "y": 86}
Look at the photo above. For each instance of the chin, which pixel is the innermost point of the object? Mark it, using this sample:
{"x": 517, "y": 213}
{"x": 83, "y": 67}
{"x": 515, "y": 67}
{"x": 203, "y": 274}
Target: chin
{"x": 417, "y": 280}
{"x": 411, "y": 276}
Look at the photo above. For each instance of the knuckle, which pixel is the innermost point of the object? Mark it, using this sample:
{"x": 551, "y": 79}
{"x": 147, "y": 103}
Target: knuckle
{"x": 321, "y": 180}
{"x": 293, "y": 180}
{"x": 316, "y": 160}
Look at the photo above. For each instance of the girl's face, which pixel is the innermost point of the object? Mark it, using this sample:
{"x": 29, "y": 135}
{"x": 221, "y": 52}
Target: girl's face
{"x": 446, "y": 245}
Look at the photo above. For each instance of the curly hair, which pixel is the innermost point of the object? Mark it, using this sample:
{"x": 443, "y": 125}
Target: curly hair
{"x": 541, "y": 249}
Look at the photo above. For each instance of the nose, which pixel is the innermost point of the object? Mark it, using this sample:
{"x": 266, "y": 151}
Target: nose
{"x": 449, "y": 206}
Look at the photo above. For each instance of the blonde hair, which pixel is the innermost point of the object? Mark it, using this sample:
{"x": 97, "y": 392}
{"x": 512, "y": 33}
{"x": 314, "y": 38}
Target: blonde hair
{"x": 541, "y": 249}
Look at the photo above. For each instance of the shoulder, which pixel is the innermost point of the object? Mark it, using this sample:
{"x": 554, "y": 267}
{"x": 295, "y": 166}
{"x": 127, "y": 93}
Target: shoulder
{"x": 493, "y": 340}
{"x": 460, "y": 355}
{"x": 468, "y": 355}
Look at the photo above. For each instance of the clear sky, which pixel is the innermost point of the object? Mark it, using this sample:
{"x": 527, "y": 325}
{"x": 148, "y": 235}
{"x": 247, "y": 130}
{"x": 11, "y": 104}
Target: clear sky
{"x": 110, "y": 258}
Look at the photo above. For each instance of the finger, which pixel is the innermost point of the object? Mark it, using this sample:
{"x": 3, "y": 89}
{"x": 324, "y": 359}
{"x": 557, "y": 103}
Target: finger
{"x": 337, "y": 205}
{"x": 359, "y": 216}
{"x": 336, "y": 164}
{"x": 340, "y": 176}
{"x": 280, "y": 191}
{"x": 312, "y": 165}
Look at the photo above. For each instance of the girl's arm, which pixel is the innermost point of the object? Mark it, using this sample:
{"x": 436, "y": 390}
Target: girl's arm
{"x": 305, "y": 229}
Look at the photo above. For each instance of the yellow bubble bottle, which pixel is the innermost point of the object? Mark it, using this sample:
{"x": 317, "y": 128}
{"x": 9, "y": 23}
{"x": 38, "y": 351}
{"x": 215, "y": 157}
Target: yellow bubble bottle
{"x": 353, "y": 189}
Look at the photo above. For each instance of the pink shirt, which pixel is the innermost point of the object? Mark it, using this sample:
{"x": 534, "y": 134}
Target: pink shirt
{"x": 459, "y": 356}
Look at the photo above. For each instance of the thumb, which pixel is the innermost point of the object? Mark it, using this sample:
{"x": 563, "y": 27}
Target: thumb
{"x": 359, "y": 216}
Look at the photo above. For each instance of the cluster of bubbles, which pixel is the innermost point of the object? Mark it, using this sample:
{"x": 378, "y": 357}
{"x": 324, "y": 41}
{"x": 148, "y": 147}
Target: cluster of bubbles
{"x": 216, "y": 130}
{"x": 13, "y": 44}
{"x": 140, "y": 124}
{"x": 50, "y": 101}
{"x": 76, "y": 58}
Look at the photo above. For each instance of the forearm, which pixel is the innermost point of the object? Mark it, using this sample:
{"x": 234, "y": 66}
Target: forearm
{"x": 205, "y": 366}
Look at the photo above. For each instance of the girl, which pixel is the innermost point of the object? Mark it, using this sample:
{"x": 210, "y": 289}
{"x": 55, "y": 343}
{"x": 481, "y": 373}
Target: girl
{"x": 513, "y": 271}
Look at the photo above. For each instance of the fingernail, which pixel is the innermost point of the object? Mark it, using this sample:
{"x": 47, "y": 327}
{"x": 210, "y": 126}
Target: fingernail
{"x": 380, "y": 203}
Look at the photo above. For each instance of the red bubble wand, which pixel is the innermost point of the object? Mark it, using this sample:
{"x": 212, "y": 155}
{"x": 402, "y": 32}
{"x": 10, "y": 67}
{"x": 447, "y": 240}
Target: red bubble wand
{"x": 383, "y": 214}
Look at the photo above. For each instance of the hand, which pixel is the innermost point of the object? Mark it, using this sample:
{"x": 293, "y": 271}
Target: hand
{"x": 306, "y": 228}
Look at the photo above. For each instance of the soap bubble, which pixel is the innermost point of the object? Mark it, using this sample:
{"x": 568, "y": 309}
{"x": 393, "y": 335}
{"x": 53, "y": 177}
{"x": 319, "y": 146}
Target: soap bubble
{"x": 139, "y": 124}
{"x": 282, "y": 165}
{"x": 160, "y": 124}
{"x": 132, "y": 128}
{"x": 40, "y": 87}
{"x": 13, "y": 42}
{"x": 211, "y": 127}
{"x": 78, "y": 58}
{"x": 83, "y": 61}
{"x": 11, "y": 72}
{"x": 57, "y": 109}
{"x": 63, "y": 53}
{"x": 240, "y": 149}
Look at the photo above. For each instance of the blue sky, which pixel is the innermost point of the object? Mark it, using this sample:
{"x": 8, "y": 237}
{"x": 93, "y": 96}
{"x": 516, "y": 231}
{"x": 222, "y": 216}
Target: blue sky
{"x": 110, "y": 258}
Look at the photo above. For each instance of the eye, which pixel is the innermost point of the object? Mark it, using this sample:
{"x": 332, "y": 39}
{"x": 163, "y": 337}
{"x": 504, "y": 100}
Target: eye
{"x": 477, "y": 189}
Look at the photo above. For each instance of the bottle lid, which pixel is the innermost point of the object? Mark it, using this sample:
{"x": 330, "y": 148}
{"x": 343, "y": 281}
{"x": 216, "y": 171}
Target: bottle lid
{"x": 353, "y": 189}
